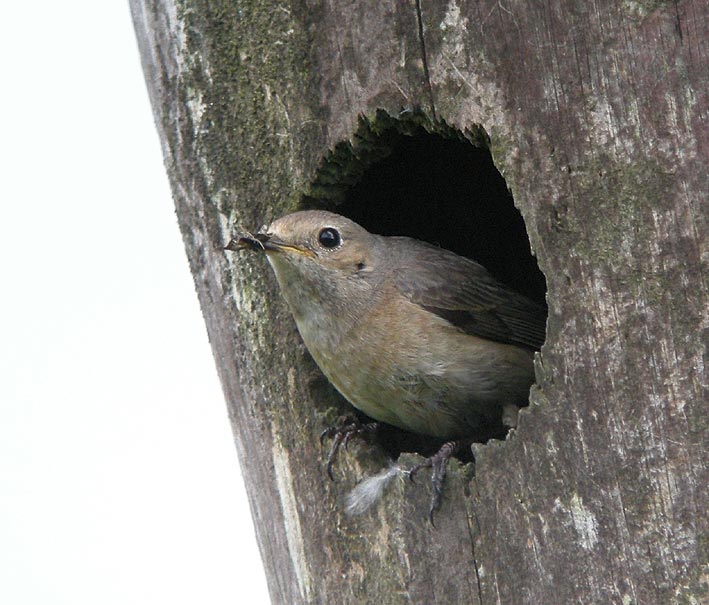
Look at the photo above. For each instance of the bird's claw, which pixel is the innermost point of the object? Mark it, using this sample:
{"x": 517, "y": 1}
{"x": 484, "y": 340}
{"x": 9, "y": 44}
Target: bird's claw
{"x": 438, "y": 463}
{"x": 341, "y": 437}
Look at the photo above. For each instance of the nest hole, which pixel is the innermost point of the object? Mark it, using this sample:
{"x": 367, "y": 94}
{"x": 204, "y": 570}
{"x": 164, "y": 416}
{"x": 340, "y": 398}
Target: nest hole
{"x": 410, "y": 176}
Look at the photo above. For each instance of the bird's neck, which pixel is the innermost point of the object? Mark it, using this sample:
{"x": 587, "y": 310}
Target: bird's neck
{"x": 324, "y": 309}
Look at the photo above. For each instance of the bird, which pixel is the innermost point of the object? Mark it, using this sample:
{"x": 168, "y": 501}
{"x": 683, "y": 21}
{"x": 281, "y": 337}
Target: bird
{"x": 411, "y": 334}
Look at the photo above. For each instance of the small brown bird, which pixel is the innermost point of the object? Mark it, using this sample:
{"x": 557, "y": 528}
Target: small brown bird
{"x": 409, "y": 333}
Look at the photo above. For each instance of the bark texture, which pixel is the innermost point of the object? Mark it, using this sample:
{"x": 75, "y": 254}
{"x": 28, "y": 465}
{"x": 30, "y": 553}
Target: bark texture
{"x": 598, "y": 118}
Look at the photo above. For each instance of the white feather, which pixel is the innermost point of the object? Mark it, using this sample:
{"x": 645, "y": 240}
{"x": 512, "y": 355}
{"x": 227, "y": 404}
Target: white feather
{"x": 368, "y": 491}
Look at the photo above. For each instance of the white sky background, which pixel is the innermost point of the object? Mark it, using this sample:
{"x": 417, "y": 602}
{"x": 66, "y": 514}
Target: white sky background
{"x": 119, "y": 481}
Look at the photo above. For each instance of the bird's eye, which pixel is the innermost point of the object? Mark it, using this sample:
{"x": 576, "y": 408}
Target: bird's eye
{"x": 329, "y": 238}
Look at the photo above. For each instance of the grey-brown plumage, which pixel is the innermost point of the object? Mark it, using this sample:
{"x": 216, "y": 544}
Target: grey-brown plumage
{"x": 464, "y": 293}
{"x": 411, "y": 334}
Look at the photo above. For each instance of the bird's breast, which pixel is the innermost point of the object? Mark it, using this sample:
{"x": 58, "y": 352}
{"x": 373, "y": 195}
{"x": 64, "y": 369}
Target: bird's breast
{"x": 405, "y": 366}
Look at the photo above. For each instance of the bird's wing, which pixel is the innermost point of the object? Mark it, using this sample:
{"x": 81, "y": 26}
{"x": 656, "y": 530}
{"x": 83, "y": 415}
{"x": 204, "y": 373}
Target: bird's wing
{"x": 464, "y": 293}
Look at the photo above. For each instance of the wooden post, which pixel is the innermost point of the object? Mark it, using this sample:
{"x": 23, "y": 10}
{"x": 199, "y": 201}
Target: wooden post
{"x": 597, "y": 117}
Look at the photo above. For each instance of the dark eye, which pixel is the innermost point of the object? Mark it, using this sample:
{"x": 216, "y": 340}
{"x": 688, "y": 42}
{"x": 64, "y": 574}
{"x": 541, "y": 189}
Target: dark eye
{"x": 329, "y": 238}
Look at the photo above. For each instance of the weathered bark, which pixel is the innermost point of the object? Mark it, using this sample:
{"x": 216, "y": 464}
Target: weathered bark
{"x": 598, "y": 119}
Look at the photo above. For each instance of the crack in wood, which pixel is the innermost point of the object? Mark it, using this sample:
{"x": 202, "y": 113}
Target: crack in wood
{"x": 424, "y": 58}
{"x": 475, "y": 560}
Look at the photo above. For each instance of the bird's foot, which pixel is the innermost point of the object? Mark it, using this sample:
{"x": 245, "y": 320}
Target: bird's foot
{"x": 439, "y": 466}
{"x": 341, "y": 436}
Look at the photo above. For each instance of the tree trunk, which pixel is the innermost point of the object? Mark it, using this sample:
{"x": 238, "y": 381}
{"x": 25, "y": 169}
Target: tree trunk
{"x": 597, "y": 117}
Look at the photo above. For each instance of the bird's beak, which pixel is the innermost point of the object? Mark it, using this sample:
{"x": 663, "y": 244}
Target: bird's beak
{"x": 266, "y": 243}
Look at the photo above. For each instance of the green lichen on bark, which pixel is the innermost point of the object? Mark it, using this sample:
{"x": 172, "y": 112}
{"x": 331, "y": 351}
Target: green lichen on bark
{"x": 241, "y": 135}
{"x": 615, "y": 214}
{"x": 248, "y": 72}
